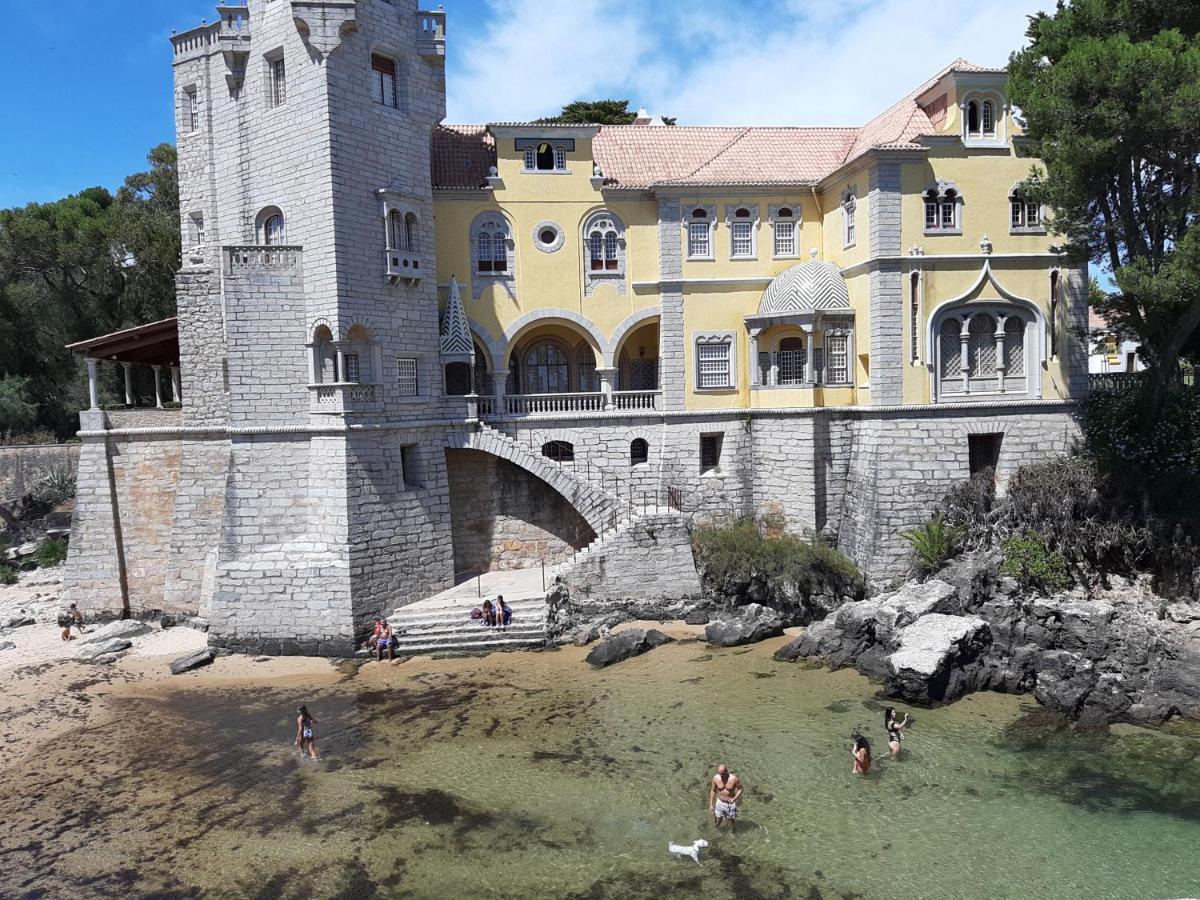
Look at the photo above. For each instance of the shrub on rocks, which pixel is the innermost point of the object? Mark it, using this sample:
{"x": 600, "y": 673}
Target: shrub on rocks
{"x": 750, "y": 562}
{"x": 1034, "y": 565}
{"x": 8, "y": 575}
{"x": 933, "y": 545}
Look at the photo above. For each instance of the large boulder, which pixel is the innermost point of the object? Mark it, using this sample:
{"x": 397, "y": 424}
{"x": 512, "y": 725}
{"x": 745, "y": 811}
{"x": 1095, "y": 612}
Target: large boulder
{"x": 930, "y": 664}
{"x": 194, "y": 660}
{"x": 753, "y": 623}
{"x": 625, "y": 645}
{"x": 7, "y": 645}
{"x": 124, "y": 628}
{"x": 101, "y": 648}
{"x": 19, "y": 619}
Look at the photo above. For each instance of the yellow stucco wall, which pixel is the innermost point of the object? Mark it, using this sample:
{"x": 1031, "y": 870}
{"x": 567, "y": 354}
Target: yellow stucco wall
{"x": 719, "y": 293}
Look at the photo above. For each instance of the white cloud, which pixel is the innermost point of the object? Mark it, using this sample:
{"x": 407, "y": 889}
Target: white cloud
{"x": 807, "y": 62}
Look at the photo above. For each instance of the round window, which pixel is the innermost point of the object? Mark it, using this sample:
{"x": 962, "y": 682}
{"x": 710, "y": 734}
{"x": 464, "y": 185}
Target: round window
{"x": 548, "y": 236}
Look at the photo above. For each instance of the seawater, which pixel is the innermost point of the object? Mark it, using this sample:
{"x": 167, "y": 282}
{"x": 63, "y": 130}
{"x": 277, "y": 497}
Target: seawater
{"x": 530, "y": 775}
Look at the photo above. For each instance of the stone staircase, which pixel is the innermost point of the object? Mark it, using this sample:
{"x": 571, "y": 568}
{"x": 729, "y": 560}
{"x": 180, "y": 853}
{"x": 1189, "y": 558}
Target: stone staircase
{"x": 423, "y": 628}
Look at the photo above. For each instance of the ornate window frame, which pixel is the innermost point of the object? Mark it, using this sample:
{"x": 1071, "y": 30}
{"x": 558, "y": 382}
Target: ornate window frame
{"x": 750, "y": 218}
{"x": 795, "y": 220}
{"x": 711, "y": 338}
{"x": 497, "y": 225}
{"x": 981, "y": 101}
{"x": 559, "y": 148}
{"x": 1018, "y": 217}
{"x": 942, "y": 197}
{"x": 605, "y": 222}
{"x": 710, "y": 219}
{"x": 1000, "y": 380}
{"x": 849, "y": 218}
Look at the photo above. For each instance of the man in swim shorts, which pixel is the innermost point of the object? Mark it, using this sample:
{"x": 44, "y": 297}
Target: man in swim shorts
{"x": 724, "y": 792}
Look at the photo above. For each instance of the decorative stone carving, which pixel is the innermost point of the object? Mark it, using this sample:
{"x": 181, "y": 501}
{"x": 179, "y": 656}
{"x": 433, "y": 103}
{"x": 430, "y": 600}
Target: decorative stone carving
{"x": 323, "y": 23}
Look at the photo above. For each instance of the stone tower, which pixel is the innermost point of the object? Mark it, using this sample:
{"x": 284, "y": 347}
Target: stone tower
{"x": 314, "y": 414}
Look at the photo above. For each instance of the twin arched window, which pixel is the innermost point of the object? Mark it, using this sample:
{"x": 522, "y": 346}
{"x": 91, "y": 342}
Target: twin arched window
{"x": 402, "y": 231}
{"x": 942, "y": 208}
{"x": 981, "y": 119}
{"x": 983, "y": 351}
{"x": 490, "y": 235}
{"x": 546, "y": 157}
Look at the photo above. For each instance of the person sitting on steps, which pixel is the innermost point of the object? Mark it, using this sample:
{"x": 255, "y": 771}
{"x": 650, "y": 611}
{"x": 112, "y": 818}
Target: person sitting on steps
{"x": 489, "y": 614}
{"x": 503, "y": 613}
{"x": 383, "y": 641}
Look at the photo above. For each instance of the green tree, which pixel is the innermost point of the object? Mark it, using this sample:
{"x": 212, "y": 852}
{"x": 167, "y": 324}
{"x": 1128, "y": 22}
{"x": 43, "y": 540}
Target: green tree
{"x": 596, "y": 112}
{"x": 16, "y": 412}
{"x": 82, "y": 266}
{"x": 1109, "y": 90}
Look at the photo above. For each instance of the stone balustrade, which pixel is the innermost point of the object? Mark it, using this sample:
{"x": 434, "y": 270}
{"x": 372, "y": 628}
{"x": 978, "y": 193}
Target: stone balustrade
{"x": 345, "y": 397}
{"x": 246, "y": 260}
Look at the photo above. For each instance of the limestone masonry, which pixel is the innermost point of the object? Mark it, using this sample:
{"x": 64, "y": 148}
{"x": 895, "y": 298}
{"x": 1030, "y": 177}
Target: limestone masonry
{"x": 408, "y": 351}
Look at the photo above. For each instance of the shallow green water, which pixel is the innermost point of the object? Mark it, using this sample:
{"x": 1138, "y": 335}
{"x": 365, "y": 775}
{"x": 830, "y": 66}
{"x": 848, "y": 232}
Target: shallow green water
{"x": 532, "y": 776}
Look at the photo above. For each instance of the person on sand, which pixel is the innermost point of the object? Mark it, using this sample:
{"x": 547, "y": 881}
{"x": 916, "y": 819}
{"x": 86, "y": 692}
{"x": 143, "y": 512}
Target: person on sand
{"x": 894, "y": 727}
{"x": 862, "y": 755}
{"x": 369, "y": 643}
{"x": 383, "y": 641}
{"x": 503, "y": 612}
{"x": 724, "y": 792}
{"x": 306, "y": 735}
{"x": 71, "y": 617}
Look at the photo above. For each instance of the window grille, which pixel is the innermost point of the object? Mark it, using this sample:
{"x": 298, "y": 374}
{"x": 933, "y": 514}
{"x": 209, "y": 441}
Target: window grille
{"x": 792, "y": 359}
{"x": 785, "y": 238}
{"x": 714, "y": 364}
{"x": 639, "y": 451}
{"x": 384, "y": 71}
{"x": 837, "y": 358}
{"x": 193, "y": 102}
{"x": 698, "y": 239}
{"x": 499, "y": 253}
{"x": 530, "y": 159}
{"x": 278, "y": 82}
{"x": 560, "y": 158}
{"x": 406, "y": 376}
{"x": 1014, "y": 346}
{"x": 981, "y": 346}
{"x": 596, "y": 244}
{"x": 610, "y": 250}
{"x": 743, "y": 240}
{"x": 914, "y": 313}
{"x": 950, "y": 338}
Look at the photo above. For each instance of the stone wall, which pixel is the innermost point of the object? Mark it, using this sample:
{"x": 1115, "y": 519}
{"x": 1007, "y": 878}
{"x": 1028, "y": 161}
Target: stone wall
{"x": 901, "y": 465}
{"x": 505, "y": 518}
{"x": 123, "y": 522}
{"x": 23, "y": 467}
{"x": 651, "y": 559}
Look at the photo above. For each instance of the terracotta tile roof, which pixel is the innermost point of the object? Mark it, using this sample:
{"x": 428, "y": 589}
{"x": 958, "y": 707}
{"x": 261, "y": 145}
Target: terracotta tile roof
{"x": 461, "y": 156}
{"x": 641, "y": 156}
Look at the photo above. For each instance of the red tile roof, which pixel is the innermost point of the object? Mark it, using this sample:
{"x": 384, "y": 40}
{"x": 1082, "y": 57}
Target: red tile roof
{"x": 642, "y": 156}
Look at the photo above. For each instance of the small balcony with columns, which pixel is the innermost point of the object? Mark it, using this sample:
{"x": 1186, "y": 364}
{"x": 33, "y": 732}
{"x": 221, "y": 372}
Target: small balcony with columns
{"x": 133, "y": 377}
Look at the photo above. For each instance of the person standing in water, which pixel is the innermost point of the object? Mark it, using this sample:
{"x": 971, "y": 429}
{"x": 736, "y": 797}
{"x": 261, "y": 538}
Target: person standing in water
{"x": 724, "y": 792}
{"x": 894, "y": 727}
{"x": 862, "y": 755}
{"x": 306, "y": 735}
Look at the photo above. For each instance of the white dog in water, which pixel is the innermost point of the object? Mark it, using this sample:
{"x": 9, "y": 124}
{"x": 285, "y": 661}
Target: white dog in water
{"x": 692, "y": 850}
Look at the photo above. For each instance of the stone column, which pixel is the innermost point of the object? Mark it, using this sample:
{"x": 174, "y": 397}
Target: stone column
{"x": 964, "y": 341}
{"x": 500, "y": 383}
{"x": 810, "y": 370}
{"x": 175, "y": 389}
{"x": 314, "y": 363}
{"x": 340, "y": 374}
{"x": 755, "y": 374}
{"x": 93, "y": 397}
{"x": 157, "y": 386}
{"x": 608, "y": 378}
{"x": 1001, "y": 361}
{"x": 128, "y": 367}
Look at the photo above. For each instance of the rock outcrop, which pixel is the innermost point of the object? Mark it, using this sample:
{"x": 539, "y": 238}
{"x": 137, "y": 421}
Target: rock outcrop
{"x": 124, "y": 628}
{"x": 1118, "y": 657}
{"x": 102, "y": 648}
{"x": 749, "y": 624}
{"x": 625, "y": 645}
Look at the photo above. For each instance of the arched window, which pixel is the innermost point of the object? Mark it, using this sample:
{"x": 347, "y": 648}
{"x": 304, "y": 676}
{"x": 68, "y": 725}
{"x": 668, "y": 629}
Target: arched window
{"x": 972, "y": 118}
{"x": 914, "y": 313}
{"x": 560, "y": 158}
{"x": 483, "y": 252}
{"x": 699, "y": 234}
{"x": 849, "y": 220}
{"x": 981, "y": 346}
{"x": 604, "y": 238}
{"x": 410, "y": 232}
{"x": 989, "y": 119}
{"x": 530, "y": 158}
{"x": 395, "y": 230}
{"x": 784, "y": 222}
{"x": 950, "y": 340}
{"x": 545, "y": 157}
{"x": 585, "y": 368}
{"x": 639, "y": 451}
{"x": 483, "y": 385}
{"x": 942, "y": 205}
{"x": 270, "y": 226}
{"x": 741, "y": 231}
{"x": 791, "y": 360}
{"x": 1026, "y": 215}
{"x": 546, "y": 369}
{"x": 1014, "y": 347}
{"x": 324, "y": 356}
{"x": 559, "y": 451}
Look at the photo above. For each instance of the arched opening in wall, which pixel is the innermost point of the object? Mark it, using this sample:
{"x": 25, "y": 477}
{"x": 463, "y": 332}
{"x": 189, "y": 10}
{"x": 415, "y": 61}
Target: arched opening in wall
{"x": 325, "y": 355}
{"x": 553, "y": 358}
{"x": 559, "y": 451}
{"x": 792, "y": 360}
{"x": 270, "y": 227}
{"x": 639, "y": 451}
{"x": 637, "y": 359}
{"x": 483, "y": 382}
{"x": 356, "y": 357}
{"x": 458, "y": 379}
{"x": 410, "y": 232}
{"x": 973, "y": 118}
{"x": 545, "y": 157}
{"x": 503, "y": 517}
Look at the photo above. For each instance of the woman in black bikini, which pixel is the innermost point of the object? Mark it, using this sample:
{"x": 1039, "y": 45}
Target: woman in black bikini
{"x": 306, "y": 736}
{"x": 894, "y": 727}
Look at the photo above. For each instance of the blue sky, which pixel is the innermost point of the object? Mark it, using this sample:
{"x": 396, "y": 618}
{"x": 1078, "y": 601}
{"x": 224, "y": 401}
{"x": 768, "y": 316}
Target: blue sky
{"x": 85, "y": 85}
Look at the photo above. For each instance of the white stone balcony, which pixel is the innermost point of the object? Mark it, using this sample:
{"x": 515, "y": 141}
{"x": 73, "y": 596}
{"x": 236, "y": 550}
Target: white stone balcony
{"x": 401, "y": 265}
{"x": 261, "y": 259}
{"x": 345, "y": 397}
{"x": 431, "y": 33}
{"x": 568, "y": 405}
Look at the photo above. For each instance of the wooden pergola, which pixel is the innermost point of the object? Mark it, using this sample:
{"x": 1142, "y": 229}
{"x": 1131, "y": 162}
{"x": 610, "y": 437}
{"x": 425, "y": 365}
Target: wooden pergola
{"x": 155, "y": 345}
